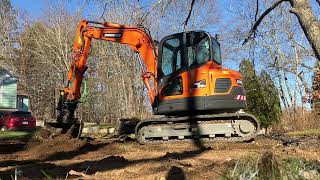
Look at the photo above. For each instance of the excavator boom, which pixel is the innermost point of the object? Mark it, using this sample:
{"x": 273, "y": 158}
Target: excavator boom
{"x": 137, "y": 39}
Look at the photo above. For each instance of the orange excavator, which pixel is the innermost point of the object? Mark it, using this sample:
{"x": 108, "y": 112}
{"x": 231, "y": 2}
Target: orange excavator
{"x": 184, "y": 79}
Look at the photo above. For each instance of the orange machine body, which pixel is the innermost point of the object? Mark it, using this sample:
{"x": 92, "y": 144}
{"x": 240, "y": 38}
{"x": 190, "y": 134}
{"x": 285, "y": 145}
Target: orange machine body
{"x": 197, "y": 83}
{"x": 208, "y": 72}
{"x": 195, "y": 97}
{"x": 183, "y": 73}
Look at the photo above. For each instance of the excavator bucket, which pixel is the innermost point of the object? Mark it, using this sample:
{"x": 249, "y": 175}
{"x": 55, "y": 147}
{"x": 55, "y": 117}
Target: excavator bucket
{"x": 73, "y": 129}
{"x": 65, "y": 123}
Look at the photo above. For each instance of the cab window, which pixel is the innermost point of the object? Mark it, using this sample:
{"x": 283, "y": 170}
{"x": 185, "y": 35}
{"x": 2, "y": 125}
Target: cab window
{"x": 203, "y": 51}
{"x": 171, "y": 57}
{"x": 216, "y": 51}
{"x": 198, "y": 47}
{"x": 191, "y": 56}
{"x": 167, "y": 58}
{"x": 174, "y": 87}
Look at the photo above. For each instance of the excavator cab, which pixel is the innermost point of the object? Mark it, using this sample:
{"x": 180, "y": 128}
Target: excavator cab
{"x": 184, "y": 51}
{"x": 200, "y": 99}
{"x": 191, "y": 79}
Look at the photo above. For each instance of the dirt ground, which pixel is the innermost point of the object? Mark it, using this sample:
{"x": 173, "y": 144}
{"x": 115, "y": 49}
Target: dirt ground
{"x": 66, "y": 158}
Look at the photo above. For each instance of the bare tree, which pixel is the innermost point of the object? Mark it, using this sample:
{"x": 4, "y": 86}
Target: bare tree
{"x": 8, "y": 35}
{"x": 308, "y": 22}
{"x": 45, "y": 49}
{"x": 114, "y": 86}
{"x": 166, "y": 15}
{"x": 279, "y": 47}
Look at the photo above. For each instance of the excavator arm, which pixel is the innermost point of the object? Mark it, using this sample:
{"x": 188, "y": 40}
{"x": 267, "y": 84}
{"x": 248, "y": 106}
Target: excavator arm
{"x": 138, "y": 40}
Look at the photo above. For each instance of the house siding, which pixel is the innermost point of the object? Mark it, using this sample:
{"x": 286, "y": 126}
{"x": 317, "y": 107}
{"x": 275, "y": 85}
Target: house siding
{"x": 8, "y": 90}
{"x": 9, "y": 96}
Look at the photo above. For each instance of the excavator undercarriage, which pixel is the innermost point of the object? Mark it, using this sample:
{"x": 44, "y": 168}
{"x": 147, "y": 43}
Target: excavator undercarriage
{"x": 217, "y": 127}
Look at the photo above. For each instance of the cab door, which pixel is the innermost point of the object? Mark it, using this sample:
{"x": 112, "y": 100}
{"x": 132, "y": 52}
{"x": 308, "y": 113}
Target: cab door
{"x": 183, "y": 82}
{"x": 172, "y": 75}
{"x": 170, "y": 67}
{"x": 199, "y": 54}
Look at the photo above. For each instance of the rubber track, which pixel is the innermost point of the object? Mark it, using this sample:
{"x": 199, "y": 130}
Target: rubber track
{"x": 230, "y": 116}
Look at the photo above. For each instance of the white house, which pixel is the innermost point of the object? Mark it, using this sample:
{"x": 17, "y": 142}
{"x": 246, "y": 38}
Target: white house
{"x": 9, "y": 98}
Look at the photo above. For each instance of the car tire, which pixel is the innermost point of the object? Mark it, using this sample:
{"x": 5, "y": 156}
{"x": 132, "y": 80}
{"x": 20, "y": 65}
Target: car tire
{"x": 3, "y": 128}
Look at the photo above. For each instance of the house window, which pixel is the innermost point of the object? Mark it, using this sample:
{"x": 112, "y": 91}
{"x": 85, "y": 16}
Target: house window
{"x": 22, "y": 103}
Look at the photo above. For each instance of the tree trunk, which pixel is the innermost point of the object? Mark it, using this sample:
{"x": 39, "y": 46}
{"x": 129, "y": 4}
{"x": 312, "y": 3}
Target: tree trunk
{"x": 281, "y": 63}
{"x": 278, "y": 75}
{"x": 309, "y": 24}
{"x": 296, "y": 70}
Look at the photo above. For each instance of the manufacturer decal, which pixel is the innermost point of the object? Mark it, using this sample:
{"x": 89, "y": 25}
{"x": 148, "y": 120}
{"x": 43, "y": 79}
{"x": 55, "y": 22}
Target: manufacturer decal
{"x": 199, "y": 84}
{"x": 112, "y": 35}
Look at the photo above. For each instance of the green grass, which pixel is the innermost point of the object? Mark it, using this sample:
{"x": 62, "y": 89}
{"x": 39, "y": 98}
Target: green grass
{"x": 244, "y": 168}
{"x": 310, "y": 132}
{"x": 14, "y": 134}
{"x": 271, "y": 167}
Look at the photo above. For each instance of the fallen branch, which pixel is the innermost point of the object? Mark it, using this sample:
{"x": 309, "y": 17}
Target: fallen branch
{"x": 257, "y": 23}
{"x": 75, "y": 173}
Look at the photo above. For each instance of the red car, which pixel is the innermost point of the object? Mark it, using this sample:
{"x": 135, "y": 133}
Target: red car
{"x": 17, "y": 120}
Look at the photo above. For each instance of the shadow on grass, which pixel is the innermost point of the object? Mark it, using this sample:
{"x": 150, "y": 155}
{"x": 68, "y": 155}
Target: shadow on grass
{"x": 56, "y": 156}
{"x": 13, "y": 141}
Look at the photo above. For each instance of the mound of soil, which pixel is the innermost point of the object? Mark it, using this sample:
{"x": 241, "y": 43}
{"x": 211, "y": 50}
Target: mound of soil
{"x": 42, "y": 134}
{"x": 51, "y": 147}
{"x": 60, "y": 155}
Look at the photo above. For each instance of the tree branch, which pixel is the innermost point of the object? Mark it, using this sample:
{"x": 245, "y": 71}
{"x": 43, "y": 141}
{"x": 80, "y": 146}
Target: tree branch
{"x": 188, "y": 17}
{"x": 318, "y": 1}
{"x": 143, "y": 18}
{"x": 257, "y": 23}
{"x": 104, "y": 10}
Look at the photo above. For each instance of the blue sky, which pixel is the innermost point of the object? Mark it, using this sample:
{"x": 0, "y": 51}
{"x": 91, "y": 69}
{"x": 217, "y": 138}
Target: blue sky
{"x": 34, "y": 9}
